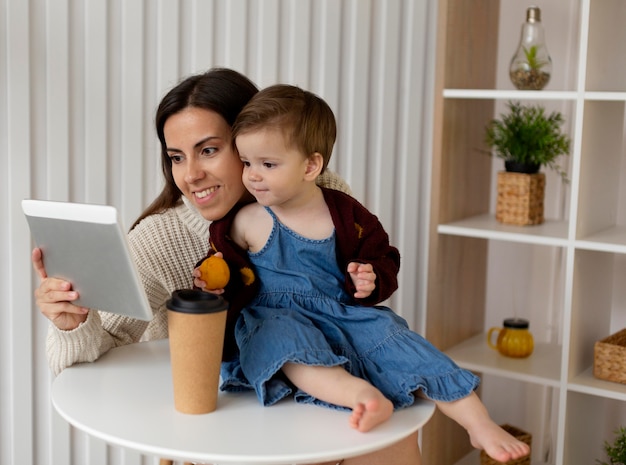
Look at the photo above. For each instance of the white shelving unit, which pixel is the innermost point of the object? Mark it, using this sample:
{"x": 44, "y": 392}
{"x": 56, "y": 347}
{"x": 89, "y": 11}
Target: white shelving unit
{"x": 573, "y": 266}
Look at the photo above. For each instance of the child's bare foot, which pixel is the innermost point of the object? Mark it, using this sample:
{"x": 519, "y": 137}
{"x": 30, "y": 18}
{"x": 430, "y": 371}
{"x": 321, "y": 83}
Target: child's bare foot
{"x": 370, "y": 410}
{"x": 497, "y": 443}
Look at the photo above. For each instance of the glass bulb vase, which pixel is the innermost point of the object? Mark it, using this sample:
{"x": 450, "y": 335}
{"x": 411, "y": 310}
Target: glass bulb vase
{"x": 531, "y": 66}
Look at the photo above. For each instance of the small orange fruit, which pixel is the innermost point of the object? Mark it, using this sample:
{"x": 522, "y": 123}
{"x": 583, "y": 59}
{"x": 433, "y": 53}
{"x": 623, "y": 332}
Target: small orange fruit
{"x": 214, "y": 272}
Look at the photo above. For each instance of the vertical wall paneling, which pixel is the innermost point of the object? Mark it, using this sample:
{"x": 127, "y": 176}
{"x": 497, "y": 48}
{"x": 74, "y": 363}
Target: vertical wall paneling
{"x": 151, "y": 169}
{"x": 96, "y": 142}
{"x": 296, "y": 42}
{"x": 6, "y": 355}
{"x": 57, "y": 187}
{"x": 355, "y": 96}
{"x": 414, "y": 88}
{"x": 5, "y": 266}
{"x": 384, "y": 99}
{"x": 57, "y": 99}
{"x": 131, "y": 119}
{"x": 202, "y": 33}
{"x": 95, "y": 103}
{"x": 167, "y": 51}
{"x": 81, "y": 80}
{"x": 326, "y": 56}
{"x": 263, "y": 41}
{"x": 326, "y": 60}
{"x": 20, "y": 336}
{"x": 233, "y": 26}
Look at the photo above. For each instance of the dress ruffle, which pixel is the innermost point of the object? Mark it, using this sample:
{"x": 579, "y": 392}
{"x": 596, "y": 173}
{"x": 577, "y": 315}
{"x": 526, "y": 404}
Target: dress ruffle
{"x": 379, "y": 348}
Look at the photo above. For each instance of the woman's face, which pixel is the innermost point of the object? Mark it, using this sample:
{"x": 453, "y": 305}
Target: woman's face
{"x": 205, "y": 167}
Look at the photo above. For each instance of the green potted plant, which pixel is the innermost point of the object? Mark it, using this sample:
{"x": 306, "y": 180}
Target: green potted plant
{"x": 526, "y": 138}
{"x": 616, "y": 452}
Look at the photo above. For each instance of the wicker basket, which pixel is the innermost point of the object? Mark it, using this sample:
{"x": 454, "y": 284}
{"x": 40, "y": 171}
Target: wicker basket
{"x": 609, "y": 358}
{"x": 520, "y": 198}
{"x": 518, "y": 434}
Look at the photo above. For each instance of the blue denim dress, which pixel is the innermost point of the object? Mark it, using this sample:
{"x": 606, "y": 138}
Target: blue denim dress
{"x": 302, "y": 314}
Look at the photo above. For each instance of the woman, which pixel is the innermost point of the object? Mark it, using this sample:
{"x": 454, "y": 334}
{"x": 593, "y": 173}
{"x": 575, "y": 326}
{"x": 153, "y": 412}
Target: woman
{"x": 193, "y": 123}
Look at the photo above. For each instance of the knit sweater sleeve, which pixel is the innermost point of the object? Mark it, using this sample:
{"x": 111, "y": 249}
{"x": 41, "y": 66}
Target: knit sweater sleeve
{"x": 164, "y": 247}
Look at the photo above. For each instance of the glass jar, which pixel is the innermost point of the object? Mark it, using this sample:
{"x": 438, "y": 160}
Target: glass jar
{"x": 514, "y": 339}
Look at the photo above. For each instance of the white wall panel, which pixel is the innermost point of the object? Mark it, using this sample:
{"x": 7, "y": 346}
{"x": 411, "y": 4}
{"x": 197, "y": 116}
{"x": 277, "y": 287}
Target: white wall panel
{"x": 132, "y": 119}
{"x": 18, "y": 443}
{"x": 80, "y": 81}
{"x": 57, "y": 98}
{"x": 202, "y": 35}
{"x": 96, "y": 101}
{"x": 355, "y": 97}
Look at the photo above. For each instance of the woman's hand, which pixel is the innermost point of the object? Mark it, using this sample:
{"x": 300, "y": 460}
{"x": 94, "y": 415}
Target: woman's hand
{"x": 54, "y": 298}
{"x": 363, "y": 277}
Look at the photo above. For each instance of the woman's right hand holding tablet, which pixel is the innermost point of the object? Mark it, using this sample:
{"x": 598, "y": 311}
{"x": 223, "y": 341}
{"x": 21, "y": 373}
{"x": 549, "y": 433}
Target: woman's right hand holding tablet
{"x": 54, "y": 298}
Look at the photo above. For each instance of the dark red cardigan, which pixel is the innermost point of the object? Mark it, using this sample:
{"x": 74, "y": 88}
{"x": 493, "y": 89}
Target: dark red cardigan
{"x": 360, "y": 238}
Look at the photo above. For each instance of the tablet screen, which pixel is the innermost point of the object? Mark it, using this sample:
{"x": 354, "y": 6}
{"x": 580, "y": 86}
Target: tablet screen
{"x": 86, "y": 245}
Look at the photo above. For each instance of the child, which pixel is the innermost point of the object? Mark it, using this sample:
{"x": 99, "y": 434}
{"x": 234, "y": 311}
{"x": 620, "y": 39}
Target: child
{"x": 322, "y": 262}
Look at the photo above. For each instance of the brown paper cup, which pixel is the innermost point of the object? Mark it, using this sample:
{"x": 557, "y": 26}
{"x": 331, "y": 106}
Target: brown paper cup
{"x": 196, "y": 322}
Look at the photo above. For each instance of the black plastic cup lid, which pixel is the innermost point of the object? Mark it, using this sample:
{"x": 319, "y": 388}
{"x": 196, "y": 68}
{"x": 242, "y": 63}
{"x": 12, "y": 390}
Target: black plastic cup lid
{"x": 191, "y": 301}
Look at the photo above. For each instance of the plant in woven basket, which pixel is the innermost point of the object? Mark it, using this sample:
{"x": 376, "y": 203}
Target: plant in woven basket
{"x": 527, "y": 136}
{"x": 616, "y": 452}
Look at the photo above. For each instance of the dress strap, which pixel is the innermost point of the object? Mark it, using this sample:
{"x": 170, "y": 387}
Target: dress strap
{"x": 272, "y": 214}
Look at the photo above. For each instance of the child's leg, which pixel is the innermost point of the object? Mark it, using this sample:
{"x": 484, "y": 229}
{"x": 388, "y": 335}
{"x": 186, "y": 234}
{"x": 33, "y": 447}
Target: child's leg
{"x": 336, "y": 386}
{"x": 484, "y": 433}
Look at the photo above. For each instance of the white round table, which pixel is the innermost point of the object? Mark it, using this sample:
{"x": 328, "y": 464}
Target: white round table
{"x": 126, "y": 399}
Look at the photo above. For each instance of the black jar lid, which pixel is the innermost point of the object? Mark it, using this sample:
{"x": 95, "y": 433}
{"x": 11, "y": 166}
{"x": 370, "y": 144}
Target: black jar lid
{"x": 516, "y": 323}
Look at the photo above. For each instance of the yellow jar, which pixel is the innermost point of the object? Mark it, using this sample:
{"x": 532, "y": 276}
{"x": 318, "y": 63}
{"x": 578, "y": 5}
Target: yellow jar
{"x": 514, "y": 339}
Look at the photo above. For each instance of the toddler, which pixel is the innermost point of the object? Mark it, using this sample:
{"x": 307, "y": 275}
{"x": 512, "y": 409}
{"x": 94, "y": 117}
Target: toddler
{"x": 310, "y": 266}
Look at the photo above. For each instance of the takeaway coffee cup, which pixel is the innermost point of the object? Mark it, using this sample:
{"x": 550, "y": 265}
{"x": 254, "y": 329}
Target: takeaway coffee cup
{"x": 196, "y": 325}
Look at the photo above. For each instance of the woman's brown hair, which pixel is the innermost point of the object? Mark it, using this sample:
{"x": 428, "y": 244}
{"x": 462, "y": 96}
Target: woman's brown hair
{"x": 221, "y": 90}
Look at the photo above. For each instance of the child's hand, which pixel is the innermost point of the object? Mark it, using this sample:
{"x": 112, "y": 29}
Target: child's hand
{"x": 363, "y": 277}
{"x": 201, "y": 284}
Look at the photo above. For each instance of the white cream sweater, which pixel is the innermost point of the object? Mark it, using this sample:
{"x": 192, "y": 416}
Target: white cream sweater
{"x": 165, "y": 247}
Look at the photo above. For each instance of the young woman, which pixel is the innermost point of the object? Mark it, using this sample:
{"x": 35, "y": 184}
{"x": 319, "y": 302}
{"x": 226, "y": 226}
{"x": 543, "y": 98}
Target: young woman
{"x": 193, "y": 123}
{"x": 322, "y": 264}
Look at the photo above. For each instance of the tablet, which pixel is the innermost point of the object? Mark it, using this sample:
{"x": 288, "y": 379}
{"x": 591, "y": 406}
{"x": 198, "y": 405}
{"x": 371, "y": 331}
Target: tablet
{"x": 86, "y": 245}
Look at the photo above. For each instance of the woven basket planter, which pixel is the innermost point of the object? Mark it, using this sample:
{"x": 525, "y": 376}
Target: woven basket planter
{"x": 518, "y": 434}
{"x": 520, "y": 198}
{"x": 609, "y": 358}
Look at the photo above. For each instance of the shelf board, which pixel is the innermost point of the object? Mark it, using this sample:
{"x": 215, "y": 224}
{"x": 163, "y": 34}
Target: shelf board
{"x": 586, "y": 383}
{"x": 551, "y": 232}
{"x": 510, "y": 94}
{"x": 609, "y": 240}
{"x": 492, "y": 94}
{"x": 607, "y": 96}
{"x": 542, "y": 367}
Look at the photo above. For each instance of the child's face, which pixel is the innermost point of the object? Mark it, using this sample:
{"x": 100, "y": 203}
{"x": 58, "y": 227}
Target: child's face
{"x": 273, "y": 172}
